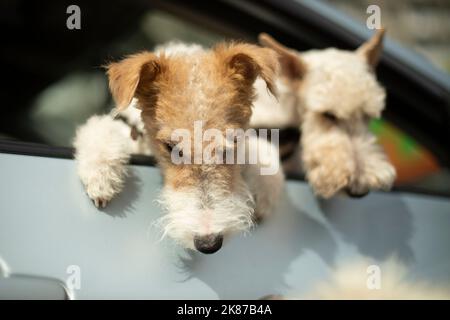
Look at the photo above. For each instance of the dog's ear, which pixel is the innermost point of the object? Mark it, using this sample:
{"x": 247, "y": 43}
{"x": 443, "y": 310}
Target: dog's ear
{"x": 245, "y": 62}
{"x": 372, "y": 48}
{"x": 127, "y": 76}
{"x": 292, "y": 65}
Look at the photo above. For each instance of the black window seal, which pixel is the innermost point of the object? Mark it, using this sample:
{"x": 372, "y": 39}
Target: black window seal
{"x": 43, "y": 150}
{"x": 46, "y": 151}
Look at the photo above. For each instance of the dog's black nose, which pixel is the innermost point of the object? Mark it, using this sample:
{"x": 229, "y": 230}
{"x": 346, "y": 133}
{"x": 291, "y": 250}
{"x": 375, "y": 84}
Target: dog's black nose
{"x": 208, "y": 243}
{"x": 354, "y": 194}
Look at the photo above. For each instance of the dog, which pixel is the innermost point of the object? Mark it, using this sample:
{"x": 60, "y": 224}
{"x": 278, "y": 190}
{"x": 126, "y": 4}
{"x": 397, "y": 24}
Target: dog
{"x": 331, "y": 95}
{"x": 171, "y": 90}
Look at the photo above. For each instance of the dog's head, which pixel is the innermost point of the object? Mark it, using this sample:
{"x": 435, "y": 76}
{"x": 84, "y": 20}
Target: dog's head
{"x": 338, "y": 94}
{"x": 189, "y": 98}
{"x": 334, "y": 83}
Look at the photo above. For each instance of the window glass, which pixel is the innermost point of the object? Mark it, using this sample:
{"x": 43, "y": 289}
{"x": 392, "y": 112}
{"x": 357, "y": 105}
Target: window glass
{"x": 56, "y": 80}
{"x": 419, "y": 25}
{"x": 53, "y": 113}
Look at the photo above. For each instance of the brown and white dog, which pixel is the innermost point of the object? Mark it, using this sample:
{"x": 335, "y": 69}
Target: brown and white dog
{"x": 170, "y": 90}
{"x": 332, "y": 95}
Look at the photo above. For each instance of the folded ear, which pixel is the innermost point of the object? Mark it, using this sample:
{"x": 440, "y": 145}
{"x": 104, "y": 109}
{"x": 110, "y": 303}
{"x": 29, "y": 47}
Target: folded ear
{"x": 127, "y": 76}
{"x": 292, "y": 65}
{"x": 245, "y": 62}
{"x": 372, "y": 48}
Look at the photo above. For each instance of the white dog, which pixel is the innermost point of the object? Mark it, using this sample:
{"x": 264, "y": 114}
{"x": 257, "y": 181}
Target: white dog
{"x": 331, "y": 94}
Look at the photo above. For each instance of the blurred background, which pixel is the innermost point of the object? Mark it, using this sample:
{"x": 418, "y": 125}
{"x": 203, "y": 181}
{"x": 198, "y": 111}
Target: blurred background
{"x": 420, "y": 25}
{"x": 53, "y": 80}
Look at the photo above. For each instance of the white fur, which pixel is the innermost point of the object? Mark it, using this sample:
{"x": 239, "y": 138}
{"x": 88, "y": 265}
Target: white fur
{"x": 345, "y": 154}
{"x": 266, "y": 189}
{"x": 349, "y": 282}
{"x": 191, "y": 212}
{"x": 278, "y": 112}
{"x": 176, "y": 47}
{"x": 272, "y": 112}
{"x": 102, "y": 150}
{"x": 340, "y": 81}
{"x": 373, "y": 170}
{"x": 103, "y": 147}
{"x": 341, "y": 156}
{"x": 133, "y": 116}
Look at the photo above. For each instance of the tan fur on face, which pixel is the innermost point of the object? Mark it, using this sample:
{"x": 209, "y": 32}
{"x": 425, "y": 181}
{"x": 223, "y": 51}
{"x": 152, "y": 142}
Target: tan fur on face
{"x": 338, "y": 95}
{"x": 125, "y": 76}
{"x": 174, "y": 89}
{"x": 371, "y": 50}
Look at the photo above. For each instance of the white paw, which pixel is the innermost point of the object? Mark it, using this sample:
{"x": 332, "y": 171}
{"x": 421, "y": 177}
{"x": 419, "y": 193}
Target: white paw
{"x": 381, "y": 176}
{"x": 100, "y": 203}
{"x": 103, "y": 184}
{"x": 327, "y": 180}
{"x": 103, "y": 148}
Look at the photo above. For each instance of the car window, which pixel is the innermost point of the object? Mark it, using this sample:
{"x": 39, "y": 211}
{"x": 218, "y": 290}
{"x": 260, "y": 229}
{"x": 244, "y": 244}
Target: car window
{"x": 414, "y": 163}
{"x": 56, "y": 79}
{"x": 422, "y": 26}
{"x": 53, "y": 114}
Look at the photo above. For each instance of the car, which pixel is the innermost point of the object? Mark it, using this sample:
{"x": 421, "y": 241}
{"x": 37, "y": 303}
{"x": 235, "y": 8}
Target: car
{"x": 55, "y": 244}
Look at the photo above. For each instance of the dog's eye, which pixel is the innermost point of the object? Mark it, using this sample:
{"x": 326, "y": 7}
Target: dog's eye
{"x": 330, "y": 116}
{"x": 367, "y": 118}
{"x": 169, "y": 147}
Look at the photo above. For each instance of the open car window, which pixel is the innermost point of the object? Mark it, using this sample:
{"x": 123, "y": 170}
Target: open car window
{"x": 421, "y": 26}
{"x": 56, "y": 79}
